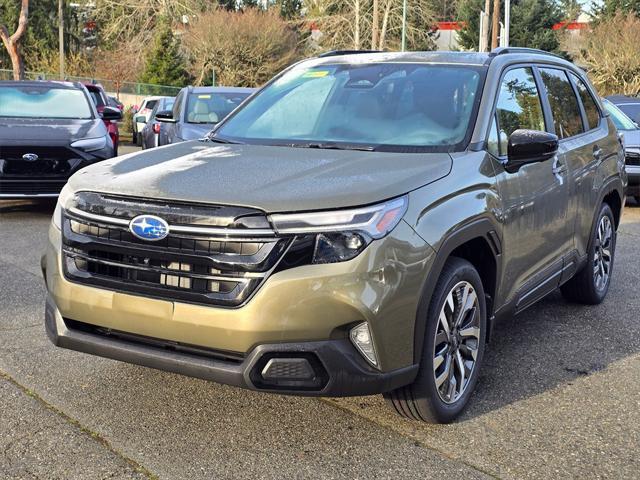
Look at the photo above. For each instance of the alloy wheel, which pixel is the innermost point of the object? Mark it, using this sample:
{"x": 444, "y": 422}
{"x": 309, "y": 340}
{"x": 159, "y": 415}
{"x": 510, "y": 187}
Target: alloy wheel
{"x": 456, "y": 342}
{"x": 603, "y": 253}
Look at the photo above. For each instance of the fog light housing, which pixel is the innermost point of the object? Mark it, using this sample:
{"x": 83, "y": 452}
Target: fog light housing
{"x": 361, "y": 338}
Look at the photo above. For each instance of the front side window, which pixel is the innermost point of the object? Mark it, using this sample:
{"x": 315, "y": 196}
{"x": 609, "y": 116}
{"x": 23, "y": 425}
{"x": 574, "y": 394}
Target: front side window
{"x": 590, "y": 108}
{"x": 564, "y": 104}
{"x": 43, "y": 101}
{"x": 380, "y": 105}
{"x": 518, "y": 106}
{"x": 212, "y": 107}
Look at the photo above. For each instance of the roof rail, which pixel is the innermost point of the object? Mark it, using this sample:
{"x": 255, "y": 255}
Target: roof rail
{"x": 534, "y": 51}
{"x": 334, "y": 53}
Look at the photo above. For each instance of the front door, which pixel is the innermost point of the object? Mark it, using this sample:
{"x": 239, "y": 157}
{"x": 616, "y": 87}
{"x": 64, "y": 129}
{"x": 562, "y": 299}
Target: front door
{"x": 536, "y": 232}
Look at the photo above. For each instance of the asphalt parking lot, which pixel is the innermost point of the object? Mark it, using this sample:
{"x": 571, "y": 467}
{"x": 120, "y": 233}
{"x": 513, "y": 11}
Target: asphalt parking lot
{"x": 559, "y": 397}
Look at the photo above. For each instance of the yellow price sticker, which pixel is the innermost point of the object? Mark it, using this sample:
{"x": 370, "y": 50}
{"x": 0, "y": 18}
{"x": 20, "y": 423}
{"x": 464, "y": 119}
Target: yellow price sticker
{"x": 204, "y": 96}
{"x": 316, "y": 74}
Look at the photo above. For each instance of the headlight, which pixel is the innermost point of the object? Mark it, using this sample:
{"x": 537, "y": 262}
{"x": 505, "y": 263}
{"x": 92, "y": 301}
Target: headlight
{"x": 63, "y": 200}
{"x": 90, "y": 144}
{"x": 340, "y": 235}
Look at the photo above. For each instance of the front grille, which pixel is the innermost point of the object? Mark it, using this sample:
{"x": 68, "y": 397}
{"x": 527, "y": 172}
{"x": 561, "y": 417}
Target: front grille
{"x": 199, "y": 264}
{"x": 632, "y": 158}
{"x": 31, "y": 187}
{"x": 52, "y": 161}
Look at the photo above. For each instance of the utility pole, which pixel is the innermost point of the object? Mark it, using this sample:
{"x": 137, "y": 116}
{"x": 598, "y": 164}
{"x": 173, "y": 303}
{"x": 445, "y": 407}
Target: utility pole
{"x": 485, "y": 26}
{"x": 507, "y": 22}
{"x": 404, "y": 25}
{"x": 61, "y": 36}
{"x": 495, "y": 29}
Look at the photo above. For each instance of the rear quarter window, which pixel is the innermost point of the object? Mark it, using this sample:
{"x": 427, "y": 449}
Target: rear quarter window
{"x": 590, "y": 108}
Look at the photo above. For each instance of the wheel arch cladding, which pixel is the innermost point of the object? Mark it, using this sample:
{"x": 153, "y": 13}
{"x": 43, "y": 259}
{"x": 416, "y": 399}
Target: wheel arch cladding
{"x": 479, "y": 244}
{"x": 614, "y": 200}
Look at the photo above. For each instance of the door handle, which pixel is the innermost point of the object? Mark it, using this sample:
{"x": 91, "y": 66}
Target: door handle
{"x": 558, "y": 167}
{"x": 597, "y": 153}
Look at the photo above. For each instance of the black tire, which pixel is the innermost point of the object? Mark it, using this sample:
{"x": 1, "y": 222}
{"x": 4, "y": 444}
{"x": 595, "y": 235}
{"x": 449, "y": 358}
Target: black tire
{"x": 584, "y": 286}
{"x": 637, "y": 199}
{"x": 422, "y": 400}
{"x": 134, "y": 138}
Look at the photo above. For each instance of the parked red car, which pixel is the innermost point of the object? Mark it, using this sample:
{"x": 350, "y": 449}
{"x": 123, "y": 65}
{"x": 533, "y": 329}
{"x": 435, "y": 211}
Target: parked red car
{"x": 101, "y": 100}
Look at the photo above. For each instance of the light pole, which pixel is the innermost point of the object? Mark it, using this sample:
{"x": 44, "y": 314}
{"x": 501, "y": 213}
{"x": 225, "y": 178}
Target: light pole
{"x": 61, "y": 37}
{"x": 404, "y": 25}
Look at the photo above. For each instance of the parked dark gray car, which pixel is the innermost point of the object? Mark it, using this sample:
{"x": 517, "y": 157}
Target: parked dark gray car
{"x": 150, "y": 134}
{"x": 357, "y": 227}
{"x": 49, "y": 131}
{"x": 631, "y": 138}
{"x": 629, "y": 105}
{"x": 197, "y": 110}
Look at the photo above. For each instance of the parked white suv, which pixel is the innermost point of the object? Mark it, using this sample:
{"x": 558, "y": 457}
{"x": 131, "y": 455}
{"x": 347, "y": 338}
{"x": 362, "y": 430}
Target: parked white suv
{"x": 144, "y": 110}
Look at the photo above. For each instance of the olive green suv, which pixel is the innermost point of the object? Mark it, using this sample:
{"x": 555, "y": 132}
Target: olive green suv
{"x": 356, "y": 227}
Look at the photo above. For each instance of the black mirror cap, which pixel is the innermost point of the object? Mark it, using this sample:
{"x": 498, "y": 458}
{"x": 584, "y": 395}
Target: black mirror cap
{"x": 111, "y": 113}
{"x": 165, "y": 116}
{"x": 530, "y": 146}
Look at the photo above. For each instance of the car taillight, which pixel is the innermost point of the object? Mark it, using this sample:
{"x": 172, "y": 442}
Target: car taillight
{"x": 156, "y": 128}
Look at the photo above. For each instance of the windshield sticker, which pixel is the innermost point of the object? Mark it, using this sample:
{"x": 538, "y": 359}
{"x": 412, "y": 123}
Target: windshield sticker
{"x": 316, "y": 74}
{"x": 204, "y": 96}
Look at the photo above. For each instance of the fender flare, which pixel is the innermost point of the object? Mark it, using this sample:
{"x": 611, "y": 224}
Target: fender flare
{"x": 477, "y": 228}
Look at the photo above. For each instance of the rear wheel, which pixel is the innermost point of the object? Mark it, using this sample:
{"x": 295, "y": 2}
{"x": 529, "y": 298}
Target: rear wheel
{"x": 591, "y": 284}
{"x": 453, "y": 348}
{"x": 134, "y": 138}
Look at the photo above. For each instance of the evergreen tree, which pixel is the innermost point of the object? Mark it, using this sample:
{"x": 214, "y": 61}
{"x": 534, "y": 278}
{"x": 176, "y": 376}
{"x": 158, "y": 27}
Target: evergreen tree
{"x": 165, "y": 64}
{"x": 531, "y": 24}
{"x": 609, "y": 8}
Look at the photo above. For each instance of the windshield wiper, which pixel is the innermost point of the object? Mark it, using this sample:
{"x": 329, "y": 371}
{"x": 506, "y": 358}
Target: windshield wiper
{"x": 334, "y": 146}
{"x": 216, "y": 139}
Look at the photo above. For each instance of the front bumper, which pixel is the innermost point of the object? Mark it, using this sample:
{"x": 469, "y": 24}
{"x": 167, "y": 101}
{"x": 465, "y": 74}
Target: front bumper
{"x": 302, "y": 311}
{"x": 633, "y": 173}
{"x": 335, "y": 368}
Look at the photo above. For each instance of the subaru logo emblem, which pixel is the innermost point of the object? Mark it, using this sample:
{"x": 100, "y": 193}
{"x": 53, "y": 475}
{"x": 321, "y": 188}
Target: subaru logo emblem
{"x": 30, "y": 157}
{"x": 149, "y": 227}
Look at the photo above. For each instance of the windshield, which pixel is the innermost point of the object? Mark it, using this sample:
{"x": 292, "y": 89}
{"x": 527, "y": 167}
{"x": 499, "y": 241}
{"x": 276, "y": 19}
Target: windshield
{"x": 212, "y": 107}
{"x": 631, "y": 110}
{"x": 620, "y": 120}
{"x": 379, "y": 105}
{"x": 43, "y": 102}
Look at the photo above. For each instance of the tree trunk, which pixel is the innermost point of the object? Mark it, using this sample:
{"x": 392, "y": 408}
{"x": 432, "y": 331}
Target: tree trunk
{"x": 12, "y": 42}
{"x": 356, "y": 35}
{"x": 485, "y": 24}
{"x": 385, "y": 22}
{"x": 374, "y": 26}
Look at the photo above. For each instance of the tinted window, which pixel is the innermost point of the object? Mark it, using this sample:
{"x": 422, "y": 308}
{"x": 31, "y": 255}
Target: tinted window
{"x": 389, "y": 104}
{"x": 150, "y": 104}
{"x": 177, "y": 106}
{"x": 590, "y": 107}
{"x": 564, "y": 104}
{"x": 43, "y": 102}
{"x": 518, "y": 105}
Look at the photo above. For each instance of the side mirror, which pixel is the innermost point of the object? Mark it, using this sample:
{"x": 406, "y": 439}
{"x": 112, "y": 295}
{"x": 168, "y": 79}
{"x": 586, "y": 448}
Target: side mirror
{"x": 110, "y": 113}
{"x": 529, "y": 146}
{"x": 141, "y": 119}
{"x": 165, "y": 116}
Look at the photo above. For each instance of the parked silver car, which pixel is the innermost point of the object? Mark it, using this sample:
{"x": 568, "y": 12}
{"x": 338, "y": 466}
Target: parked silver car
{"x": 149, "y": 134}
{"x": 196, "y": 110}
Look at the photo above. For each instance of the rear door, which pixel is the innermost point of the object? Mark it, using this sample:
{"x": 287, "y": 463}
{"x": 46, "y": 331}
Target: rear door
{"x": 577, "y": 121}
{"x": 536, "y": 234}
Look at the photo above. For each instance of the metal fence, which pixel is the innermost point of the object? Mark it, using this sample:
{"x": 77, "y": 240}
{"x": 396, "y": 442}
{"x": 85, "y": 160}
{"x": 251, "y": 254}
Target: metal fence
{"x": 114, "y": 86}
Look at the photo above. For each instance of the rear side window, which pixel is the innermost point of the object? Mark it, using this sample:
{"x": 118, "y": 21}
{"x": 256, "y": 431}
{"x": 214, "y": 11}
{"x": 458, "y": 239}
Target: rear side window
{"x": 518, "y": 105}
{"x": 590, "y": 108}
{"x": 150, "y": 104}
{"x": 564, "y": 104}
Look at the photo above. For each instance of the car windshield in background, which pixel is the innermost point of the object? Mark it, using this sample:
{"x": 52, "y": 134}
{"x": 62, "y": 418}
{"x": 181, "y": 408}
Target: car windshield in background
{"x": 620, "y": 120}
{"x": 97, "y": 98}
{"x": 631, "y": 110}
{"x": 212, "y": 107}
{"x": 380, "y": 105}
{"x": 43, "y": 102}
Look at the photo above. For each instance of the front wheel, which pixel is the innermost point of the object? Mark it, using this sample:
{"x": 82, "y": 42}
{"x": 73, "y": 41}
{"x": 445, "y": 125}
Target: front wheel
{"x": 591, "y": 284}
{"x": 453, "y": 349}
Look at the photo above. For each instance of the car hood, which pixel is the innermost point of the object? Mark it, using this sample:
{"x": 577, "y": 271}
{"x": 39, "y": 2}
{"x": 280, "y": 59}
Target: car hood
{"x": 40, "y": 131}
{"x": 195, "y": 131}
{"x": 631, "y": 138}
{"x": 273, "y": 179}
